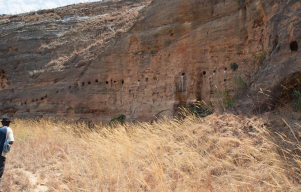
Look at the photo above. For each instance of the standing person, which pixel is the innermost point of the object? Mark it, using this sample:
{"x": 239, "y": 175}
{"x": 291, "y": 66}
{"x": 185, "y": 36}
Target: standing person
{"x": 6, "y": 134}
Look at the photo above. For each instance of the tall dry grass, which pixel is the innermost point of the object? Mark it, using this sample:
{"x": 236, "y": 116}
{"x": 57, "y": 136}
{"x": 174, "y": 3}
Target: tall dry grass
{"x": 216, "y": 153}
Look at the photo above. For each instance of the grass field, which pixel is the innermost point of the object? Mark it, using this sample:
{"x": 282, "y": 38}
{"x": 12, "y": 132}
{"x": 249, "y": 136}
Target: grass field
{"x": 217, "y": 153}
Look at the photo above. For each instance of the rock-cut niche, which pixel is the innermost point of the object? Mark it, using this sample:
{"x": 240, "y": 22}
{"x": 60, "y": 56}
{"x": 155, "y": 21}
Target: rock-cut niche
{"x": 294, "y": 46}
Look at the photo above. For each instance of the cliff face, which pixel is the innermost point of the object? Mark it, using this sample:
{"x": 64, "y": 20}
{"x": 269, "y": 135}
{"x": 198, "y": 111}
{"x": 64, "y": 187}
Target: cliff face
{"x": 176, "y": 53}
{"x": 280, "y": 74}
{"x": 44, "y": 54}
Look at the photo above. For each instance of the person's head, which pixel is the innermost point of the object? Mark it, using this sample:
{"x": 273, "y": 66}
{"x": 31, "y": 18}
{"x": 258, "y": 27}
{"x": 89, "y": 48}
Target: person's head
{"x": 5, "y": 121}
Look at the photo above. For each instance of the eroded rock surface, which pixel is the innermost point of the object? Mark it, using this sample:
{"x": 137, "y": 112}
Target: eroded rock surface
{"x": 101, "y": 61}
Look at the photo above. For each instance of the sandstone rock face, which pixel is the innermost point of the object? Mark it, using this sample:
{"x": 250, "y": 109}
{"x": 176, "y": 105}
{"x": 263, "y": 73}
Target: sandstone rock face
{"x": 44, "y": 54}
{"x": 89, "y": 65}
{"x": 280, "y": 73}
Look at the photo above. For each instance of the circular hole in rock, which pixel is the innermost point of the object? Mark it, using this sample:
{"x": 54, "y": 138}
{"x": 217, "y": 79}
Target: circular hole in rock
{"x": 107, "y": 82}
{"x": 122, "y": 82}
{"x": 183, "y": 74}
{"x": 204, "y": 72}
{"x": 294, "y": 46}
{"x": 96, "y": 81}
{"x": 89, "y": 82}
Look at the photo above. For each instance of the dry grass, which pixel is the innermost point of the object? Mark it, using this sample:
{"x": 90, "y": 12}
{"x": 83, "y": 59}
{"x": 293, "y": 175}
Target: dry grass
{"x": 217, "y": 153}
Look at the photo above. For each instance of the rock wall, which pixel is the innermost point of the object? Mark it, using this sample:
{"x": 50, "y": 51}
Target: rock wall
{"x": 275, "y": 80}
{"x": 45, "y": 53}
{"x": 177, "y": 52}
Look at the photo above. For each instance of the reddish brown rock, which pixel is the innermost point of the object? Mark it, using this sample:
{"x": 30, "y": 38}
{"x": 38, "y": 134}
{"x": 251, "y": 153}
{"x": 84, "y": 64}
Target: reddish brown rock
{"x": 178, "y": 52}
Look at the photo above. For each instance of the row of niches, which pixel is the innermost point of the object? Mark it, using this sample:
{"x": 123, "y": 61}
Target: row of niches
{"x": 293, "y": 46}
{"x": 203, "y": 75}
{"x": 112, "y": 82}
{"x": 108, "y": 83}
{"x": 205, "y": 72}
{"x": 35, "y": 100}
{"x": 76, "y": 85}
{"x": 83, "y": 83}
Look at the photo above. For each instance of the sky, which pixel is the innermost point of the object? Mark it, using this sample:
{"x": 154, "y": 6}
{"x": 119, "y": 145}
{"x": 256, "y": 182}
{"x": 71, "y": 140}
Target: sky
{"x": 22, "y": 6}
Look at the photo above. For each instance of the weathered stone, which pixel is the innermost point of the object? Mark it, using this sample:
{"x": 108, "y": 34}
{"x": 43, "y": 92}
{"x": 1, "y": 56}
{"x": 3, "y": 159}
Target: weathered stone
{"x": 88, "y": 64}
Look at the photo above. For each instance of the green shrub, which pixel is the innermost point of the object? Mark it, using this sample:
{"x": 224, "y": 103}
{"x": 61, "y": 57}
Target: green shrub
{"x": 225, "y": 99}
{"x": 297, "y": 99}
{"x": 229, "y": 103}
{"x": 234, "y": 66}
{"x": 240, "y": 82}
{"x": 200, "y": 110}
{"x": 260, "y": 57}
{"x": 120, "y": 119}
{"x": 241, "y": 1}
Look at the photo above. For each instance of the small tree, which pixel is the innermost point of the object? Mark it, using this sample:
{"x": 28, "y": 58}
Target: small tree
{"x": 234, "y": 66}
